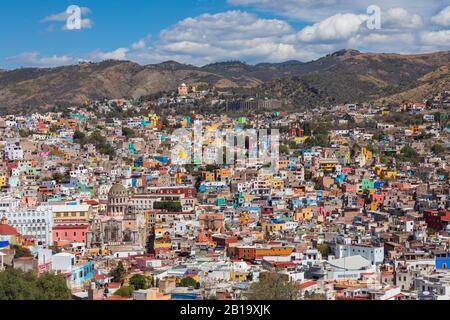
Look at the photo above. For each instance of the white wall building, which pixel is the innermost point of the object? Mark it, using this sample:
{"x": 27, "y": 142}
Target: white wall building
{"x": 8, "y": 204}
{"x": 33, "y": 222}
{"x": 374, "y": 254}
{"x": 434, "y": 286}
{"x": 13, "y": 151}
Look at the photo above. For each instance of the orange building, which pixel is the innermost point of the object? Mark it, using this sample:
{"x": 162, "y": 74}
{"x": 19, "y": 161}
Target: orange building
{"x": 252, "y": 253}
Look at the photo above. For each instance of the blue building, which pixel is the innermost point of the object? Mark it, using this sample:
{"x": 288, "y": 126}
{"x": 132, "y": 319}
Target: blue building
{"x": 443, "y": 261}
{"x": 81, "y": 273}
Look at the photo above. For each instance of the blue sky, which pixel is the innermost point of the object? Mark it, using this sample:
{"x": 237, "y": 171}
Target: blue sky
{"x": 205, "y": 31}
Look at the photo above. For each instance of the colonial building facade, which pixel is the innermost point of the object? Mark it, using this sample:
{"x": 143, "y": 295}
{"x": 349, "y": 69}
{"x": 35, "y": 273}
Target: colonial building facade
{"x": 121, "y": 224}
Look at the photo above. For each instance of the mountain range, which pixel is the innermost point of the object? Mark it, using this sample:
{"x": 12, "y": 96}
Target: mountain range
{"x": 344, "y": 76}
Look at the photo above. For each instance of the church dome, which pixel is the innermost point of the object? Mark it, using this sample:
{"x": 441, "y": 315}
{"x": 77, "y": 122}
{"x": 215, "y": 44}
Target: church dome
{"x": 117, "y": 189}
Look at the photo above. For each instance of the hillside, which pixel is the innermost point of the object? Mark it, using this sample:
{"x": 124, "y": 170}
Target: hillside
{"x": 350, "y": 76}
{"x": 344, "y": 76}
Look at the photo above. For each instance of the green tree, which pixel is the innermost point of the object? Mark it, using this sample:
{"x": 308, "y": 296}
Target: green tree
{"x": 438, "y": 149}
{"x": 324, "y": 249}
{"x": 189, "y": 282}
{"x": 24, "y": 133}
{"x": 139, "y": 282}
{"x": 21, "y": 251}
{"x": 125, "y": 292}
{"x": 119, "y": 273}
{"x": 52, "y": 287}
{"x": 273, "y": 287}
{"x": 284, "y": 149}
{"x": 314, "y": 296}
{"x": 18, "y": 285}
{"x": 128, "y": 132}
{"x": 79, "y": 137}
{"x": 409, "y": 154}
{"x": 169, "y": 206}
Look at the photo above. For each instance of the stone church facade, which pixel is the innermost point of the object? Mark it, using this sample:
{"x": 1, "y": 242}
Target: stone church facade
{"x": 121, "y": 224}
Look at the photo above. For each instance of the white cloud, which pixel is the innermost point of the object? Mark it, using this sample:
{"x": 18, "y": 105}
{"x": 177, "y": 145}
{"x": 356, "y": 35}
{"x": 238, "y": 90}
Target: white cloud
{"x": 244, "y": 36}
{"x": 337, "y": 27}
{"x": 400, "y": 18}
{"x": 223, "y": 36}
{"x": 85, "y": 24}
{"x": 64, "y": 16}
{"x": 34, "y": 59}
{"x": 436, "y": 38}
{"x": 118, "y": 54}
{"x": 317, "y": 10}
{"x": 442, "y": 18}
{"x": 138, "y": 44}
{"x": 242, "y": 25}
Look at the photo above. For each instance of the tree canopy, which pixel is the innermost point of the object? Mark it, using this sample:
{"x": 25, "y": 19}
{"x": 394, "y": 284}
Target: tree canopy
{"x": 21, "y": 251}
{"x": 189, "y": 282}
{"x": 18, "y": 285}
{"x": 273, "y": 287}
{"x": 125, "y": 292}
{"x": 119, "y": 273}
{"x": 139, "y": 282}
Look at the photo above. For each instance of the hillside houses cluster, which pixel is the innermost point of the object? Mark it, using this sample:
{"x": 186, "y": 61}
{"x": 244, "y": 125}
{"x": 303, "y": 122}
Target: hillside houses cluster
{"x": 363, "y": 214}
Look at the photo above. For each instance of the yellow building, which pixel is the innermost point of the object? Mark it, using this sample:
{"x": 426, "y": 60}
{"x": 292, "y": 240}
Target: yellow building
{"x": 328, "y": 164}
{"x": 273, "y": 227}
{"x": 367, "y": 153}
{"x": 274, "y": 251}
{"x": 390, "y": 174}
{"x": 374, "y": 206}
{"x": 301, "y": 140}
{"x": 304, "y": 214}
{"x": 72, "y": 213}
{"x": 283, "y": 164}
{"x": 152, "y": 294}
{"x": 278, "y": 184}
{"x": 208, "y": 176}
{"x": 223, "y": 174}
{"x": 237, "y": 276}
{"x": 384, "y": 173}
{"x": 3, "y": 180}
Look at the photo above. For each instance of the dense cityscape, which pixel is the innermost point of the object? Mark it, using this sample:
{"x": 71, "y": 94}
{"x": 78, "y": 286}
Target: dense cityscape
{"x": 229, "y": 159}
{"x": 355, "y": 207}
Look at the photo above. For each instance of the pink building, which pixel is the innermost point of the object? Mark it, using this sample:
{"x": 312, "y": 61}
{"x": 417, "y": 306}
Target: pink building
{"x": 71, "y": 233}
{"x": 350, "y": 188}
{"x": 183, "y": 90}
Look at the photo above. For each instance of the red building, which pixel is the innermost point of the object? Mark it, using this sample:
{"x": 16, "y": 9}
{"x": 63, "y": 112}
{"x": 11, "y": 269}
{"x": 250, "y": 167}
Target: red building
{"x": 188, "y": 192}
{"x": 224, "y": 240}
{"x": 437, "y": 219}
{"x": 71, "y": 233}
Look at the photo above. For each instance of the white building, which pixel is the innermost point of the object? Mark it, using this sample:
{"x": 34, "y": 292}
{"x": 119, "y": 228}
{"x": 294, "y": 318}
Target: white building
{"x": 33, "y": 222}
{"x": 348, "y": 268}
{"x": 13, "y": 152}
{"x": 434, "y": 286}
{"x": 8, "y": 204}
{"x": 374, "y": 254}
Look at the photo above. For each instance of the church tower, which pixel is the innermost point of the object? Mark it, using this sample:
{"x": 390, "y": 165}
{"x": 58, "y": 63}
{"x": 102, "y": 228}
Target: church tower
{"x": 117, "y": 201}
{"x": 151, "y": 240}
